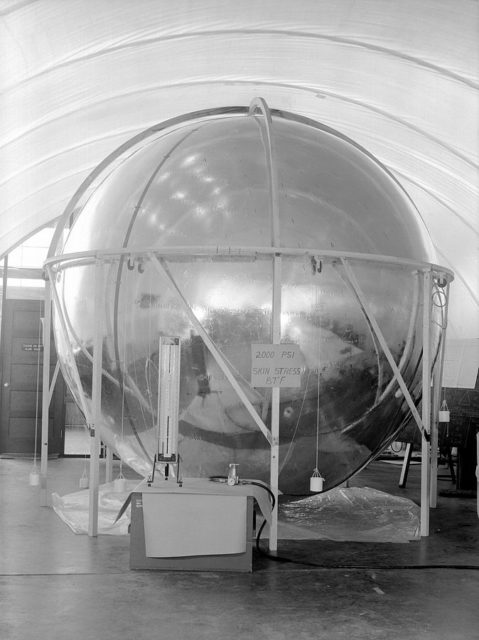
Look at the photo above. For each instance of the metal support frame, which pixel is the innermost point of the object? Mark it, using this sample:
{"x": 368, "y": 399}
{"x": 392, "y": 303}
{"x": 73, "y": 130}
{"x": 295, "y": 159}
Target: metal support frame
{"x": 95, "y": 439}
{"x": 47, "y": 392}
{"x": 405, "y": 465}
{"x": 275, "y": 254}
{"x": 424, "y": 421}
{"x": 426, "y": 404}
{"x": 275, "y": 408}
{"x": 410, "y": 334}
{"x": 66, "y": 337}
{"x": 46, "y": 395}
{"x": 3, "y": 319}
{"x": 436, "y": 399}
{"x": 4, "y": 299}
{"x": 53, "y": 381}
{"x": 435, "y": 403}
{"x": 477, "y": 470}
{"x": 93, "y": 416}
{"x": 266, "y": 123}
{"x": 434, "y": 444}
{"x": 46, "y": 410}
{"x": 384, "y": 345}
{"x": 159, "y": 262}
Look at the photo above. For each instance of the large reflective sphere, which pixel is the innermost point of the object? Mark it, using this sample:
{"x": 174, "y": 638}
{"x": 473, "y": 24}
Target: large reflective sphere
{"x": 198, "y": 190}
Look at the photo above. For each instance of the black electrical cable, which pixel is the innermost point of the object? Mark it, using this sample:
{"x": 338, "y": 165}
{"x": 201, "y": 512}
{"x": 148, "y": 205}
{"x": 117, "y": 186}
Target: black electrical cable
{"x": 363, "y": 567}
{"x": 393, "y": 567}
{"x": 396, "y": 567}
{"x": 258, "y": 484}
{"x": 273, "y": 504}
{"x": 263, "y": 486}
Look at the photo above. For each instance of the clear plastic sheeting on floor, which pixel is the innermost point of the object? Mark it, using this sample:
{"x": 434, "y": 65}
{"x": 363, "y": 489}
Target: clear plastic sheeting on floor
{"x": 74, "y": 511}
{"x": 342, "y": 514}
{"x": 350, "y": 514}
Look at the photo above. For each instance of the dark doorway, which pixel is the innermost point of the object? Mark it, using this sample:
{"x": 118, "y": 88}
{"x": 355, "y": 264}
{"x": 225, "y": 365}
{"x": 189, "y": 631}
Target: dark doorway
{"x": 21, "y": 376}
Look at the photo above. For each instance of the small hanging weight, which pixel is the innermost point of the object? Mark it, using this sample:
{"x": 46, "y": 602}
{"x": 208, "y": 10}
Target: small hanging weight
{"x": 316, "y": 482}
{"x": 119, "y": 484}
{"x": 83, "y": 483}
{"x": 34, "y": 479}
{"x": 444, "y": 414}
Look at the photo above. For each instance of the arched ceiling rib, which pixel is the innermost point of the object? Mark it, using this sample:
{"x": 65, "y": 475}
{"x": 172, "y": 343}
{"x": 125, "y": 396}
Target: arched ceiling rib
{"x": 79, "y": 78}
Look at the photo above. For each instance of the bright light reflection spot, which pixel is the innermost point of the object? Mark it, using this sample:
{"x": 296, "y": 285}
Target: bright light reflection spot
{"x": 189, "y": 160}
{"x": 285, "y": 320}
{"x": 295, "y": 333}
{"x": 224, "y": 298}
{"x": 200, "y": 313}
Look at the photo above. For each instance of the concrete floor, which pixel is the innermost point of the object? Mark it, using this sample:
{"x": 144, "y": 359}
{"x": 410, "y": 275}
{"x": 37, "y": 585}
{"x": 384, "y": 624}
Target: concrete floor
{"x": 55, "y": 584}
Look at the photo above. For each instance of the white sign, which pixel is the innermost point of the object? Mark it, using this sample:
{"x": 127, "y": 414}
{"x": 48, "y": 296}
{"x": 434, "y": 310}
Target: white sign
{"x": 276, "y": 365}
{"x": 461, "y": 363}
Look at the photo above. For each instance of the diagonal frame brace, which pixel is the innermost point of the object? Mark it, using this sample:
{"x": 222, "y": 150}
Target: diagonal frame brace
{"x": 64, "y": 331}
{"x": 384, "y": 345}
{"x": 165, "y": 274}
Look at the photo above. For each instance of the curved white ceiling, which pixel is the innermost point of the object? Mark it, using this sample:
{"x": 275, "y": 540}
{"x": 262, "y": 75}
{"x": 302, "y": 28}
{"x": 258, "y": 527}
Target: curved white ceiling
{"x": 80, "y": 77}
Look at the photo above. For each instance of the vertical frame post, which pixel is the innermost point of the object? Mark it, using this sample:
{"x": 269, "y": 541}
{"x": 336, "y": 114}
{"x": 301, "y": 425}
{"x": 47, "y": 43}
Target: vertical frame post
{"x": 434, "y": 443}
{"x": 275, "y": 407}
{"x": 436, "y": 400}
{"x": 435, "y": 404}
{"x": 96, "y": 401}
{"x": 259, "y": 104}
{"x": 477, "y": 470}
{"x": 3, "y": 320}
{"x": 47, "y": 323}
{"x": 4, "y": 300}
{"x": 426, "y": 403}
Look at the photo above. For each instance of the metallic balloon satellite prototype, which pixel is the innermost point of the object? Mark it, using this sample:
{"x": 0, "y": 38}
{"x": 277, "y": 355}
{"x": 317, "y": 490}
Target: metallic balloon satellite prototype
{"x": 237, "y": 228}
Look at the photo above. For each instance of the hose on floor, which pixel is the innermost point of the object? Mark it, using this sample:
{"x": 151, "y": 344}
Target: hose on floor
{"x": 258, "y": 484}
